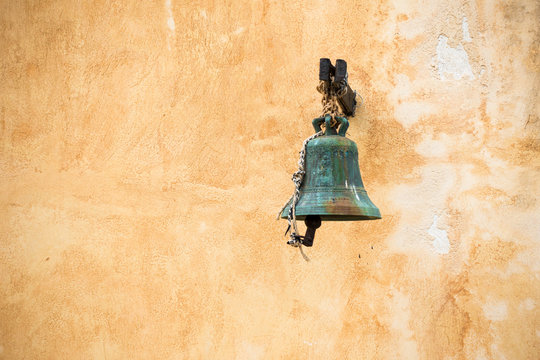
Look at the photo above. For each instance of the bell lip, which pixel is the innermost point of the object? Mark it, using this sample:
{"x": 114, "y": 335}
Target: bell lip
{"x": 371, "y": 214}
{"x": 340, "y": 217}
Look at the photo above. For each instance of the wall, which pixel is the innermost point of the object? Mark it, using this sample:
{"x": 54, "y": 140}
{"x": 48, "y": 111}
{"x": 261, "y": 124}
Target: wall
{"x": 147, "y": 146}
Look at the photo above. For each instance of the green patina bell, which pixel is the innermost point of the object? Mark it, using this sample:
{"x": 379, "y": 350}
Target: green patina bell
{"x": 332, "y": 187}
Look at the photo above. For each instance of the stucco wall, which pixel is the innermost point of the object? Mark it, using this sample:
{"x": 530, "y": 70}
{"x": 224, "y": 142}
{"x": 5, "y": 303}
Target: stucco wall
{"x": 147, "y": 146}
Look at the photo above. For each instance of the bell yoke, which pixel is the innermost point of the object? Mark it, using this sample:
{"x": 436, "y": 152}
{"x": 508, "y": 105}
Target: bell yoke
{"x": 332, "y": 187}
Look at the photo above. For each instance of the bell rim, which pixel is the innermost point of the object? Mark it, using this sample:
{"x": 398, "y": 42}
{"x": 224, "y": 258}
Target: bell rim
{"x": 328, "y": 217}
{"x": 372, "y": 213}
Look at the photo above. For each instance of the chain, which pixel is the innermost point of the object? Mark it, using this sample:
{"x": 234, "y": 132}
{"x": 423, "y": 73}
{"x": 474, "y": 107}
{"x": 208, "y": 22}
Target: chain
{"x": 297, "y": 178}
{"x": 330, "y": 107}
{"x": 329, "y": 101}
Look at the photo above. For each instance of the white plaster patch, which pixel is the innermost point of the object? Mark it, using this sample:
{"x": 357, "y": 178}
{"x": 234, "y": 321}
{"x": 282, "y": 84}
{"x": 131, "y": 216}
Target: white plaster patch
{"x": 170, "y": 22}
{"x": 465, "y": 30}
{"x": 495, "y": 310}
{"x": 441, "y": 242}
{"x": 170, "y": 19}
{"x": 453, "y": 61}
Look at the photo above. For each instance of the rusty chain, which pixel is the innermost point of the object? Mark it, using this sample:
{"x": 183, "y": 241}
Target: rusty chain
{"x": 330, "y": 107}
{"x": 329, "y": 101}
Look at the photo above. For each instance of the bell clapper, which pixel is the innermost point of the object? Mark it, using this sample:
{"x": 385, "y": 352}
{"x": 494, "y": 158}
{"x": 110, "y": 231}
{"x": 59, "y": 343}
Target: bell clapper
{"x": 313, "y": 222}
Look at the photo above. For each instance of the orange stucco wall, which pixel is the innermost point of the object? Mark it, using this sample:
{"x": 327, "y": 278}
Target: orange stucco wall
{"x": 147, "y": 146}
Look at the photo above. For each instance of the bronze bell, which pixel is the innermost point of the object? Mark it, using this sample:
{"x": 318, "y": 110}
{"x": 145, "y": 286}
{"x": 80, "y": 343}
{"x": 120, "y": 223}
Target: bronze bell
{"x": 332, "y": 188}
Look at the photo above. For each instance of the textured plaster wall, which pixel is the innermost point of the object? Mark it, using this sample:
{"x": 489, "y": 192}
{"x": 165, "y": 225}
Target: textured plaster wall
{"x": 146, "y": 148}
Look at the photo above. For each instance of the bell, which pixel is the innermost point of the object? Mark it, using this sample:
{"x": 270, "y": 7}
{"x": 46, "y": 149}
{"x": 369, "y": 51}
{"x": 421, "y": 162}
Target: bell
{"x": 332, "y": 187}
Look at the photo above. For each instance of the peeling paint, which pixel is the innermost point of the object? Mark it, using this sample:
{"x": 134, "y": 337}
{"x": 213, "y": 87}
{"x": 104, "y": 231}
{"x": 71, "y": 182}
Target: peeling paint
{"x": 452, "y": 61}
